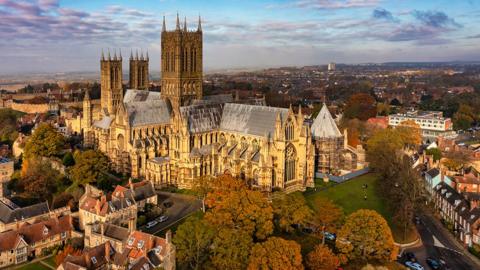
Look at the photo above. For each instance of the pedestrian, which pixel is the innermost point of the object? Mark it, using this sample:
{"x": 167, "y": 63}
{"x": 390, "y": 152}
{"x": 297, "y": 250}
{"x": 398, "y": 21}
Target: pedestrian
{"x": 365, "y": 197}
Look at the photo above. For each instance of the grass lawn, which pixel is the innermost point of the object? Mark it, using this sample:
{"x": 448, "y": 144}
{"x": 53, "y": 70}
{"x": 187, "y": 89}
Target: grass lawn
{"x": 34, "y": 266}
{"x": 50, "y": 261}
{"x": 350, "y": 196}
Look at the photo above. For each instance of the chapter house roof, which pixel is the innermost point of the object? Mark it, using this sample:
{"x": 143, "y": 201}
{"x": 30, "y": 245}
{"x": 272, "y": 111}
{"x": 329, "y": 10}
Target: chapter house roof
{"x": 324, "y": 126}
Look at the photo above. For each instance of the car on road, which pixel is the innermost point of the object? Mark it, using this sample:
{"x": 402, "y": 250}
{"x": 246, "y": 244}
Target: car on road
{"x": 433, "y": 263}
{"x": 330, "y": 236}
{"x": 168, "y": 204}
{"x": 151, "y": 224}
{"x": 410, "y": 256}
{"x": 413, "y": 265}
{"x": 162, "y": 218}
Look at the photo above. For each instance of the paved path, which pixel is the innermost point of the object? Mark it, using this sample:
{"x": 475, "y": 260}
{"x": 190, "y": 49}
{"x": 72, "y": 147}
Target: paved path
{"x": 439, "y": 243}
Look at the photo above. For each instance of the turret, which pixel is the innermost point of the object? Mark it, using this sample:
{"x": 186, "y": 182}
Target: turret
{"x": 199, "y": 29}
{"x": 164, "y": 28}
{"x": 178, "y": 23}
{"x": 185, "y": 24}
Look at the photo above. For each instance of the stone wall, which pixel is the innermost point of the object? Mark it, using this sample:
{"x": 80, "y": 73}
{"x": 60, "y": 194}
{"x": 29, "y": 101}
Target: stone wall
{"x": 30, "y": 108}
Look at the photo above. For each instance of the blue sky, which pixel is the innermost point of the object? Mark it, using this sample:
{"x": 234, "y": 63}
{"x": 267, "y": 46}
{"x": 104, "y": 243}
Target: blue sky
{"x": 68, "y": 35}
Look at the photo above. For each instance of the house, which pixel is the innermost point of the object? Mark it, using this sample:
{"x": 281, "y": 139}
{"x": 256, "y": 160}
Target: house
{"x": 95, "y": 206}
{"x": 468, "y": 182}
{"x": 433, "y": 177}
{"x": 143, "y": 193}
{"x": 99, "y": 258}
{"x": 12, "y": 216}
{"x": 33, "y": 240}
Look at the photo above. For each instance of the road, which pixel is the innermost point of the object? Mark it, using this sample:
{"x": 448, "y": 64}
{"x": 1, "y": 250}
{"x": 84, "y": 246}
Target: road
{"x": 183, "y": 206}
{"x": 438, "y": 244}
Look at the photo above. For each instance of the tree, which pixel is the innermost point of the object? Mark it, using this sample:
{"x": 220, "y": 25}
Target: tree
{"x": 290, "y": 209}
{"x": 193, "y": 240}
{"x": 89, "y": 165}
{"x": 39, "y": 180}
{"x": 8, "y": 125}
{"x": 45, "y": 141}
{"x": 322, "y": 258}
{"x": 68, "y": 159}
{"x": 435, "y": 152}
{"x": 366, "y": 236}
{"x": 410, "y": 133}
{"x": 328, "y": 216}
{"x": 230, "y": 249}
{"x": 456, "y": 159}
{"x": 67, "y": 250}
{"x": 233, "y": 205}
{"x": 361, "y": 106}
{"x": 276, "y": 253}
{"x": 464, "y": 117}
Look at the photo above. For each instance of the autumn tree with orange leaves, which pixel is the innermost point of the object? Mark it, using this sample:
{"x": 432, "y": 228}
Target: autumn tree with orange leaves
{"x": 361, "y": 106}
{"x": 67, "y": 250}
{"x": 328, "y": 216}
{"x": 276, "y": 253}
{"x": 322, "y": 258}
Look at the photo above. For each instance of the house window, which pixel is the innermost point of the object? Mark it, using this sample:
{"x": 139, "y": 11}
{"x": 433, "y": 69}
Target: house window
{"x": 45, "y": 231}
{"x": 63, "y": 234}
{"x": 94, "y": 260}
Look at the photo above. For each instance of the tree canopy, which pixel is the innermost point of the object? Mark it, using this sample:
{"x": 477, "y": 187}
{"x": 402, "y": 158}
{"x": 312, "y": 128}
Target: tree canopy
{"x": 361, "y": 106}
{"x": 45, "y": 141}
{"x": 366, "y": 236}
{"x": 89, "y": 165}
{"x": 8, "y": 125}
{"x": 322, "y": 258}
{"x": 290, "y": 209}
{"x": 276, "y": 254}
{"x": 38, "y": 179}
{"x": 328, "y": 216}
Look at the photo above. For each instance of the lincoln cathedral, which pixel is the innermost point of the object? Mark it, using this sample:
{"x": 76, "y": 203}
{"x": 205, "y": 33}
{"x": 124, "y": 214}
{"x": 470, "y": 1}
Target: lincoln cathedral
{"x": 176, "y": 135}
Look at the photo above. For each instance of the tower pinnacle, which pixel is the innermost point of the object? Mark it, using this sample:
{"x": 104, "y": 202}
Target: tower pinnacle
{"x": 185, "y": 24}
{"x": 178, "y": 22}
{"x": 199, "y": 29}
{"x": 164, "y": 28}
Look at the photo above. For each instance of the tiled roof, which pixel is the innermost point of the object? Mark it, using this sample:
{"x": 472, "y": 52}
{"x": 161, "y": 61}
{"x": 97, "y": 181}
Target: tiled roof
{"x": 9, "y": 215}
{"x": 433, "y": 172}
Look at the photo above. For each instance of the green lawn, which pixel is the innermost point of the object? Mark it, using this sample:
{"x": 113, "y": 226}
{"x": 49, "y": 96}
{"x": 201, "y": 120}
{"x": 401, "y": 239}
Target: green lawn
{"x": 34, "y": 266}
{"x": 350, "y": 196}
{"x": 50, "y": 261}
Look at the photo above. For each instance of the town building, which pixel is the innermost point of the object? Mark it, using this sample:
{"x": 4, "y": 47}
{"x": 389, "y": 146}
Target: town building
{"x": 432, "y": 123}
{"x": 433, "y": 177}
{"x": 33, "y": 240}
{"x": 143, "y": 193}
{"x": 172, "y": 137}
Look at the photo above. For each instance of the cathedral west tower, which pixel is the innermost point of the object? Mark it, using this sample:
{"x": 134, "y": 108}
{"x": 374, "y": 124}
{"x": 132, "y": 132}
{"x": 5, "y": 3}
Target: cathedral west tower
{"x": 138, "y": 72}
{"x": 111, "y": 83}
{"x": 181, "y": 64}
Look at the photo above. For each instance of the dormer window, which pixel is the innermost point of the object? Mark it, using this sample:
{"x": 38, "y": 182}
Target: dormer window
{"x": 158, "y": 249}
{"x": 448, "y": 195}
{"x": 111, "y": 206}
{"x": 94, "y": 260}
{"x": 140, "y": 243}
{"x": 146, "y": 266}
{"x": 130, "y": 241}
{"x": 45, "y": 230}
{"x": 128, "y": 202}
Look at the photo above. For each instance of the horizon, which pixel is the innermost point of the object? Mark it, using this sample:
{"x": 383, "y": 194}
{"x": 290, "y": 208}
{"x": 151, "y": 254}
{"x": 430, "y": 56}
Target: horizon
{"x": 50, "y": 36}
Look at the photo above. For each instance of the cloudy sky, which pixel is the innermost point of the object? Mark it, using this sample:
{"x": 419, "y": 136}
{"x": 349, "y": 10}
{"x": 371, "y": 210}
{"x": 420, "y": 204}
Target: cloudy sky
{"x": 68, "y": 35}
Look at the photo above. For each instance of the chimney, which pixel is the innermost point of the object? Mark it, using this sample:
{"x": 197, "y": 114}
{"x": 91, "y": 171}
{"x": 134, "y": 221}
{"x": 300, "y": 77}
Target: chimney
{"x": 107, "y": 251}
{"x": 97, "y": 207}
{"x": 130, "y": 183}
{"x": 168, "y": 236}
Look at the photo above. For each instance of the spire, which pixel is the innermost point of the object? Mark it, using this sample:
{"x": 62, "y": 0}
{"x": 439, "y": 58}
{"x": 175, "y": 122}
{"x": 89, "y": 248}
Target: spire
{"x": 87, "y": 96}
{"x": 300, "y": 110}
{"x": 115, "y": 54}
{"x": 120, "y": 54}
{"x": 164, "y": 28}
{"x": 141, "y": 54}
{"x": 136, "y": 54}
{"x": 185, "y": 24}
{"x": 103, "y": 56}
{"x": 199, "y": 24}
{"x": 178, "y": 22}
{"x": 131, "y": 54}
{"x": 109, "y": 58}
{"x": 147, "y": 55}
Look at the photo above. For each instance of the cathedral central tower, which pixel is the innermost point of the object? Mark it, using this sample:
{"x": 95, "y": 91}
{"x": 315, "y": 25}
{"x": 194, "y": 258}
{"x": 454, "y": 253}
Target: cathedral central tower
{"x": 181, "y": 64}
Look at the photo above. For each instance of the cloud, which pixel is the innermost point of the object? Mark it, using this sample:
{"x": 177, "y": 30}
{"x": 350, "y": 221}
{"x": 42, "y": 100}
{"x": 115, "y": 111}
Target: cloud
{"x": 435, "y": 19}
{"x": 383, "y": 14}
{"x": 473, "y": 37}
{"x": 330, "y": 4}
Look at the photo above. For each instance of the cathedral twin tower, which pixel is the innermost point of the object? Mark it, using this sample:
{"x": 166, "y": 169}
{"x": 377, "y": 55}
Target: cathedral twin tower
{"x": 181, "y": 69}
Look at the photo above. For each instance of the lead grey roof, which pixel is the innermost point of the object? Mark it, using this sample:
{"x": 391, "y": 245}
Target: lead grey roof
{"x": 202, "y": 117}
{"x": 148, "y": 112}
{"x": 250, "y": 119}
{"x": 140, "y": 95}
{"x": 324, "y": 126}
{"x": 9, "y": 215}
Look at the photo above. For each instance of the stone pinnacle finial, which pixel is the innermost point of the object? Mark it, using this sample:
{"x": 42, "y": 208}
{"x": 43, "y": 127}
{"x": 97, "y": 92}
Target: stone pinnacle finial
{"x": 131, "y": 54}
{"x": 87, "y": 96}
{"x": 185, "y": 24}
{"x": 136, "y": 54}
{"x": 103, "y": 57}
{"x": 109, "y": 58}
{"x": 199, "y": 24}
{"x": 120, "y": 50}
{"x": 164, "y": 28}
{"x": 141, "y": 54}
{"x": 178, "y": 22}
{"x": 147, "y": 55}
{"x": 115, "y": 54}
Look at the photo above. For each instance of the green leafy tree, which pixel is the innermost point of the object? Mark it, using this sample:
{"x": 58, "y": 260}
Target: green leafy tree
{"x": 89, "y": 165}
{"x": 230, "y": 249}
{"x": 290, "y": 209}
{"x": 276, "y": 253}
{"x": 8, "y": 125}
{"x": 45, "y": 141}
{"x": 68, "y": 159}
{"x": 193, "y": 240}
{"x": 39, "y": 180}
{"x": 366, "y": 236}
{"x": 435, "y": 152}
{"x": 464, "y": 117}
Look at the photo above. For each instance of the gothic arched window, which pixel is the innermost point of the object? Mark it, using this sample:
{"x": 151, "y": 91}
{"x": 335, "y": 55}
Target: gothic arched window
{"x": 290, "y": 157}
{"x": 289, "y": 132}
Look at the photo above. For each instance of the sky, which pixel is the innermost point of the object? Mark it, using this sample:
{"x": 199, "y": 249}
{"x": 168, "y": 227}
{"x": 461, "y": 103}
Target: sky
{"x": 68, "y": 35}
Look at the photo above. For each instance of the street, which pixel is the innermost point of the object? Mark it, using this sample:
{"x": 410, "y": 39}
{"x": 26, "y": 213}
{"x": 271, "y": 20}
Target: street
{"x": 438, "y": 244}
{"x": 182, "y": 206}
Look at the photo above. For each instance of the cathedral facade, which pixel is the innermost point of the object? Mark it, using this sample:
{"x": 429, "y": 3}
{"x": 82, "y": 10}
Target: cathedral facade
{"x": 176, "y": 136}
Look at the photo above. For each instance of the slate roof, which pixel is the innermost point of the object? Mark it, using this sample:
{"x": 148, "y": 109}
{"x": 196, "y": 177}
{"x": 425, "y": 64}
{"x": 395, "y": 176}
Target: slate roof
{"x": 202, "y": 117}
{"x": 103, "y": 123}
{"x": 148, "y": 112}
{"x": 324, "y": 126}
{"x": 9, "y": 215}
{"x": 133, "y": 95}
{"x": 250, "y": 119}
{"x": 433, "y": 172}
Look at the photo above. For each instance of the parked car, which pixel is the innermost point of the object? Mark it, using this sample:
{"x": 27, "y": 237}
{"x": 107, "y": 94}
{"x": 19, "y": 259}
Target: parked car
{"x": 162, "y": 218}
{"x": 168, "y": 204}
{"x": 410, "y": 256}
{"x": 151, "y": 224}
{"x": 433, "y": 263}
{"x": 330, "y": 236}
{"x": 413, "y": 265}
